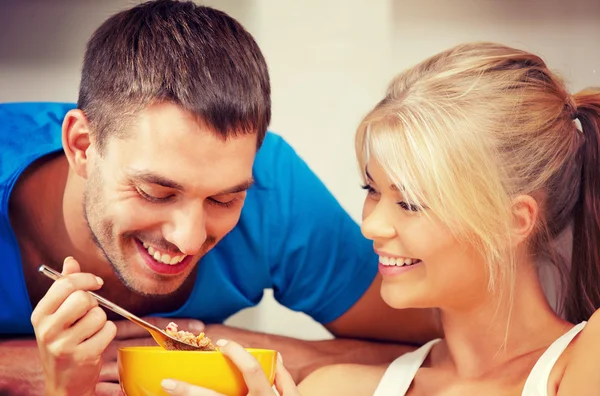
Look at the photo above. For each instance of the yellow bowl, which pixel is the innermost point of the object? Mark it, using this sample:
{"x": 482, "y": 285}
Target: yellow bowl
{"x": 141, "y": 370}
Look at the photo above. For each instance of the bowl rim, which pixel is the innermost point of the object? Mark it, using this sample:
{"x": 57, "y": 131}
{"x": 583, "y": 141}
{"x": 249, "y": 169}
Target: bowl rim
{"x": 160, "y": 350}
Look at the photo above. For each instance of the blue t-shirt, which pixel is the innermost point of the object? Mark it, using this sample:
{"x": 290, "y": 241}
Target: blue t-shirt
{"x": 292, "y": 236}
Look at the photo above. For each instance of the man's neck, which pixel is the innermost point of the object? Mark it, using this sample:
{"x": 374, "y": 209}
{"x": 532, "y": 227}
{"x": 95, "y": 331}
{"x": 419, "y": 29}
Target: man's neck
{"x": 35, "y": 214}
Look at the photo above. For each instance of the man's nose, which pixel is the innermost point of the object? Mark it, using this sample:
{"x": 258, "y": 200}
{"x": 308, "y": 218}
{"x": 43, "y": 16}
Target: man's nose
{"x": 187, "y": 230}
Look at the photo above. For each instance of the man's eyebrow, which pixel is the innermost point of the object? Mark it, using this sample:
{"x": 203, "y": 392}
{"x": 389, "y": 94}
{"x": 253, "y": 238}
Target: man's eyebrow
{"x": 153, "y": 178}
{"x": 239, "y": 188}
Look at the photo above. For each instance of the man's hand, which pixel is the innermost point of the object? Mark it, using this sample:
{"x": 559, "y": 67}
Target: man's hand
{"x": 21, "y": 370}
{"x": 72, "y": 332}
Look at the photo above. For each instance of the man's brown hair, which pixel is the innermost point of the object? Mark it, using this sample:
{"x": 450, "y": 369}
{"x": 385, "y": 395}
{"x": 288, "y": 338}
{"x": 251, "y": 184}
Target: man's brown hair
{"x": 177, "y": 52}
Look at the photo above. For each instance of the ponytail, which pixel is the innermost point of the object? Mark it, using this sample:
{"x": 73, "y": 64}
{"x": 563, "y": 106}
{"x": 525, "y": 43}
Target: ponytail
{"x": 583, "y": 292}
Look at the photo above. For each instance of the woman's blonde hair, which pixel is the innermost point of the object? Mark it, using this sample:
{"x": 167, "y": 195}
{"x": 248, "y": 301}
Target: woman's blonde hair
{"x": 467, "y": 130}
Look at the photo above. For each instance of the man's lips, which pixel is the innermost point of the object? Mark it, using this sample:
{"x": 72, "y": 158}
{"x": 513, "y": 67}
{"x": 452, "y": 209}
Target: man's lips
{"x": 181, "y": 263}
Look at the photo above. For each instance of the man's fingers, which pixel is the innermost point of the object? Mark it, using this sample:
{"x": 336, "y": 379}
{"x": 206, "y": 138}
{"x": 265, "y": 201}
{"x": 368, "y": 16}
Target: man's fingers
{"x": 99, "y": 341}
{"x": 70, "y": 266}
{"x": 126, "y": 329}
{"x": 108, "y": 389}
{"x": 85, "y": 329}
{"x": 178, "y": 388}
{"x": 73, "y": 309}
{"x": 109, "y": 372}
{"x": 251, "y": 370}
{"x": 60, "y": 291}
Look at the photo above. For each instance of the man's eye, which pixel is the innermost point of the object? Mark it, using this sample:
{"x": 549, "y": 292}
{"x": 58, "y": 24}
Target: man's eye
{"x": 223, "y": 204}
{"x": 152, "y": 198}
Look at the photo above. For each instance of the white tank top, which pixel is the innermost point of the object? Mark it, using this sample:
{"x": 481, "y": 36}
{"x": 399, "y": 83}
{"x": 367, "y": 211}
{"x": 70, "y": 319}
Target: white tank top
{"x": 399, "y": 375}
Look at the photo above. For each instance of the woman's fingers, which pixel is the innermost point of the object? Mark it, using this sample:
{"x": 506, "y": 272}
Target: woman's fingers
{"x": 283, "y": 380}
{"x": 253, "y": 374}
{"x": 178, "y": 388}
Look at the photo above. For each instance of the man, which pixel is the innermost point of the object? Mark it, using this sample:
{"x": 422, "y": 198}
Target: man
{"x": 143, "y": 182}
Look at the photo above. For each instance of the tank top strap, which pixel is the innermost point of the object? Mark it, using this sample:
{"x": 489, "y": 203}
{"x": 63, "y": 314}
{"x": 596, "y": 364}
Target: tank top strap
{"x": 537, "y": 381}
{"x": 400, "y": 373}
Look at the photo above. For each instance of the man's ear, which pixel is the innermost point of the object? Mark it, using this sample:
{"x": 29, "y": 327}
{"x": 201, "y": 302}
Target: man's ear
{"x": 525, "y": 211}
{"x": 76, "y": 141}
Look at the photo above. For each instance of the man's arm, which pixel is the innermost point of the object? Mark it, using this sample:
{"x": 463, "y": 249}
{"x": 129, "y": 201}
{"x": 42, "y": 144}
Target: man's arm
{"x": 303, "y": 357}
{"x": 20, "y": 368}
{"x": 371, "y": 318}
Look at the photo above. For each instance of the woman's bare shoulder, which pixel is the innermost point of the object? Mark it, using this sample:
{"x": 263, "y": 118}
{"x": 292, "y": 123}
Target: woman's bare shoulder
{"x": 343, "y": 379}
{"x": 581, "y": 369}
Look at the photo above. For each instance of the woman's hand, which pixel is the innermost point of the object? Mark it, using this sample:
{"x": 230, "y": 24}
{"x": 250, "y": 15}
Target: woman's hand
{"x": 71, "y": 332}
{"x": 255, "y": 378}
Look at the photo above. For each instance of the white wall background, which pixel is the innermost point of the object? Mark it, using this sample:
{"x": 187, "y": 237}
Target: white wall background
{"x": 329, "y": 62}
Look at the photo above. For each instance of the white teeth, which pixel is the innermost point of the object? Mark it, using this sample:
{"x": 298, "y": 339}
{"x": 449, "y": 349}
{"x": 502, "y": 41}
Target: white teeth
{"x": 398, "y": 262}
{"x": 166, "y": 259}
{"x": 163, "y": 258}
{"x": 176, "y": 260}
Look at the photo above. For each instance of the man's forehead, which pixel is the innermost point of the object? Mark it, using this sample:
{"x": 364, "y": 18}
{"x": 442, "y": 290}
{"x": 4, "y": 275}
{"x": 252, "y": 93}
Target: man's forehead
{"x": 162, "y": 115}
{"x": 177, "y": 154}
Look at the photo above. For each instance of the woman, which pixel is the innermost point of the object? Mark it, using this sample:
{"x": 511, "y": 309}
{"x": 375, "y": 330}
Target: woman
{"x": 474, "y": 162}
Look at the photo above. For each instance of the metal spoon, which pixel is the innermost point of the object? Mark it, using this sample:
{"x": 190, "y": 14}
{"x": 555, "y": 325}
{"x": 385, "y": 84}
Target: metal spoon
{"x": 161, "y": 337}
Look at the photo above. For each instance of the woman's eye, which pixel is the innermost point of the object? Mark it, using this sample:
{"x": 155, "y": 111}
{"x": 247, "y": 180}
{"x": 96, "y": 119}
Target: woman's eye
{"x": 404, "y": 205}
{"x": 370, "y": 190}
{"x": 409, "y": 207}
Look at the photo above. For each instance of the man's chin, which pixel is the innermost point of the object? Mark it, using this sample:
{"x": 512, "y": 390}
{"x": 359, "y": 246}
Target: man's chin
{"x": 152, "y": 290}
{"x": 149, "y": 286}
